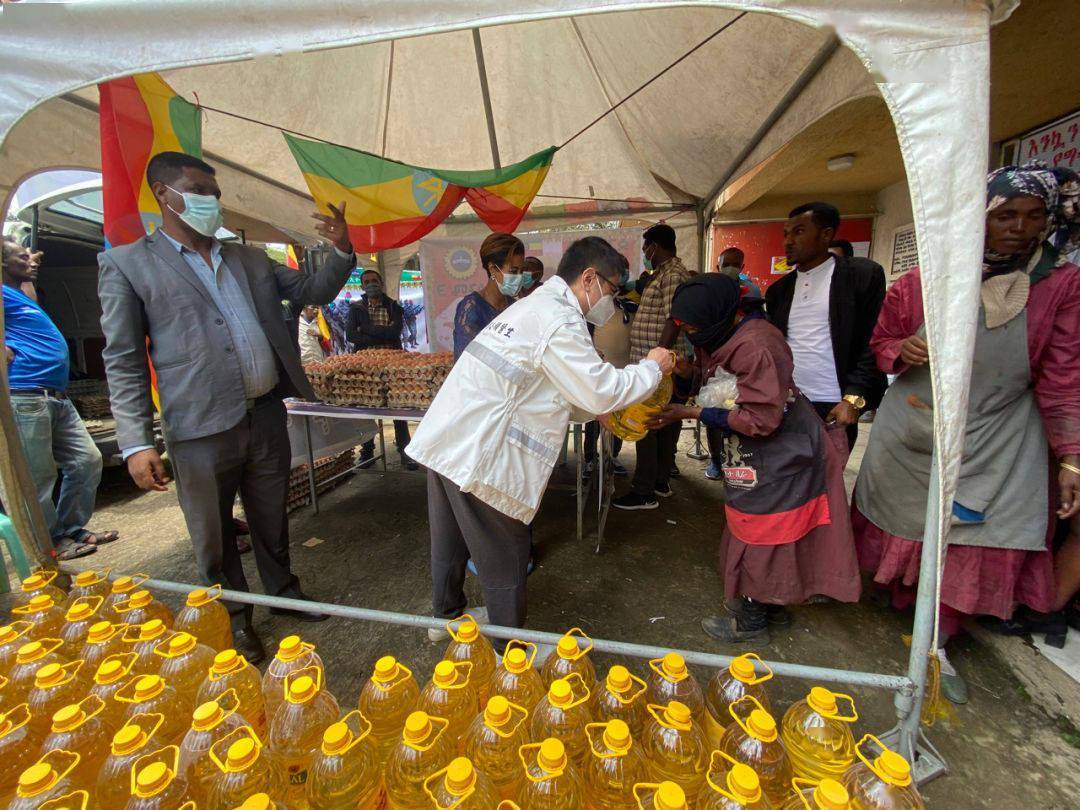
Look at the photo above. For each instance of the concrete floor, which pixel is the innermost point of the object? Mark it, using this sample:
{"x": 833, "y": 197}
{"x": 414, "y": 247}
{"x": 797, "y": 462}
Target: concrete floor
{"x": 368, "y": 547}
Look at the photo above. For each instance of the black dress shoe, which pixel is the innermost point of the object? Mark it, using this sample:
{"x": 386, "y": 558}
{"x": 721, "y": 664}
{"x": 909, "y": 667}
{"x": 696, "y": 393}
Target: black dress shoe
{"x": 300, "y": 615}
{"x": 247, "y": 643}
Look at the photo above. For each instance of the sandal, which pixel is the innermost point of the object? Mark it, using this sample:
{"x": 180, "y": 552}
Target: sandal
{"x": 73, "y": 549}
{"x": 95, "y": 538}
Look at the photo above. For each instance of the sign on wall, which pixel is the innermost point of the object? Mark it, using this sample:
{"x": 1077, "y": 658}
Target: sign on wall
{"x": 1058, "y": 145}
{"x": 905, "y": 252}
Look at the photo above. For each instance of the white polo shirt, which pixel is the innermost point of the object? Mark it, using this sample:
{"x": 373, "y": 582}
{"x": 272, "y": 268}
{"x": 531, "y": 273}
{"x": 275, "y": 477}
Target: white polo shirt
{"x": 809, "y": 336}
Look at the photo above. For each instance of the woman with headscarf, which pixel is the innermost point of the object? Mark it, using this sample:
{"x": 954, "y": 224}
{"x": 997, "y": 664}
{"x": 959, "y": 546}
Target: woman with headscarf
{"x": 1024, "y": 394}
{"x": 787, "y": 537}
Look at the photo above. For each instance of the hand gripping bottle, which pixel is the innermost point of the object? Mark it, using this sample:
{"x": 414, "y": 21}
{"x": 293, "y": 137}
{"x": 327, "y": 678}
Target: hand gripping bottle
{"x": 492, "y": 744}
{"x": 817, "y": 735}
{"x": 80, "y": 616}
{"x": 297, "y": 728}
{"x": 102, "y": 640}
{"x": 660, "y": 796}
{"x": 145, "y": 694}
{"x": 423, "y": 748}
{"x": 184, "y": 664}
{"x": 675, "y": 748}
{"x": 19, "y": 745}
{"x": 31, "y": 657}
{"x": 210, "y": 722}
{"x": 621, "y": 696}
{"x": 551, "y": 780}
{"x": 629, "y": 423}
{"x": 828, "y": 794}
{"x": 883, "y": 783}
{"x": 517, "y": 680}
{"x": 89, "y": 583}
{"x": 141, "y": 607}
{"x": 55, "y": 686}
{"x": 122, "y": 588}
{"x": 569, "y": 656}
{"x": 143, "y": 639}
{"x": 155, "y": 783}
{"x": 345, "y": 773}
{"x": 134, "y": 739}
{"x": 729, "y": 685}
{"x": 231, "y": 670}
{"x": 563, "y": 713}
{"x": 754, "y": 741}
{"x": 206, "y": 618}
{"x": 12, "y": 636}
{"x": 46, "y": 616}
{"x": 468, "y": 644}
{"x": 292, "y": 655}
{"x": 114, "y": 672}
{"x": 459, "y": 785}
{"x": 40, "y": 583}
{"x": 386, "y": 700}
{"x": 450, "y": 695}
{"x": 669, "y": 679}
{"x": 46, "y": 779}
{"x": 77, "y": 727}
{"x": 731, "y": 785}
{"x": 613, "y": 767}
{"x": 244, "y": 770}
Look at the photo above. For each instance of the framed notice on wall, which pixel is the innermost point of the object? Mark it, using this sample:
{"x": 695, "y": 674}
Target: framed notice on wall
{"x": 1057, "y": 144}
{"x": 905, "y": 252}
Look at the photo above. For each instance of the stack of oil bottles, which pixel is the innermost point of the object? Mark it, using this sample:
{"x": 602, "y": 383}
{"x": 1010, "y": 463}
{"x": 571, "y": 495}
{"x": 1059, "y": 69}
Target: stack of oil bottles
{"x": 109, "y": 700}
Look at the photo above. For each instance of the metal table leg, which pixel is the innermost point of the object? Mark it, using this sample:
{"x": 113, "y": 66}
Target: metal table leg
{"x": 698, "y": 453}
{"x": 580, "y": 495}
{"x": 606, "y": 486}
{"x": 311, "y": 465}
{"x": 382, "y": 444}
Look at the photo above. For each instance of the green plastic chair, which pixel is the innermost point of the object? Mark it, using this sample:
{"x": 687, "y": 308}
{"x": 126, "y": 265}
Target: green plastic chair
{"x": 15, "y": 551}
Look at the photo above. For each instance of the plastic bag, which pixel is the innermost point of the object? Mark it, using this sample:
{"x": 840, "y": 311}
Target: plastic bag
{"x": 720, "y": 391}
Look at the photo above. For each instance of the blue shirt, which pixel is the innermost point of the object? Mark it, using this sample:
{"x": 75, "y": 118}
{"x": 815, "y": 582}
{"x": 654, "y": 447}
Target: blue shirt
{"x": 472, "y": 315}
{"x": 41, "y": 353}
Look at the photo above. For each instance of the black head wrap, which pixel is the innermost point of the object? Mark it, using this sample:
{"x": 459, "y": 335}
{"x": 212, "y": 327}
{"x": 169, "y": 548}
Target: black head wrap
{"x": 709, "y": 303}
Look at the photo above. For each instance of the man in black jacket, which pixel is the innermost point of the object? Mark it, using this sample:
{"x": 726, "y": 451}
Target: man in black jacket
{"x": 375, "y": 323}
{"x": 827, "y": 308}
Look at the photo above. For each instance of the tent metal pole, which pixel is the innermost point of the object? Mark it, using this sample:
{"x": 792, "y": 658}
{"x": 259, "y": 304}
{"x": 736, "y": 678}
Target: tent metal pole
{"x": 701, "y": 238}
{"x": 481, "y": 69}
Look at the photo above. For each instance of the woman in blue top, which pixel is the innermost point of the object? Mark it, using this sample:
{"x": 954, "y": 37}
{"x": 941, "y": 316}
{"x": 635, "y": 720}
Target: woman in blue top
{"x": 503, "y": 257}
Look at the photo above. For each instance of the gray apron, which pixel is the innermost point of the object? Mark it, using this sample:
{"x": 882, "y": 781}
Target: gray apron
{"x": 1003, "y": 470}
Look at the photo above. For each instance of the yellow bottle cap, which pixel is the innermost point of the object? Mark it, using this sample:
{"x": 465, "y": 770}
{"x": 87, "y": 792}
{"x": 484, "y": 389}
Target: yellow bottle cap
{"x": 460, "y": 777}
{"x": 31, "y": 651}
{"x": 242, "y": 753}
{"x": 152, "y": 779}
{"x": 894, "y": 768}
{"x": 181, "y": 643}
{"x": 111, "y": 669}
{"x": 560, "y": 693}
{"x": 618, "y": 679}
{"x": 386, "y": 669}
{"x": 497, "y": 711}
{"x": 85, "y": 579}
{"x": 48, "y": 675}
{"x": 821, "y": 700}
{"x": 617, "y": 736}
{"x": 128, "y": 740}
{"x": 38, "y": 777}
{"x": 99, "y": 632}
{"x": 567, "y": 647}
{"x": 151, "y": 629}
{"x": 674, "y": 665}
{"x": 337, "y": 737}
{"x": 302, "y": 689}
{"x": 39, "y": 603}
{"x": 417, "y": 727}
{"x": 831, "y": 795}
{"x": 226, "y": 661}
{"x": 34, "y": 581}
{"x": 67, "y": 718}
{"x": 762, "y": 725}
{"x": 140, "y": 599}
{"x": 742, "y": 669}
{"x": 79, "y": 612}
{"x": 290, "y": 648}
{"x": 123, "y": 584}
{"x": 148, "y": 686}
{"x": 258, "y": 801}
{"x": 744, "y": 782}
{"x": 678, "y": 713}
{"x": 445, "y": 674}
{"x": 206, "y": 715}
{"x": 7, "y": 633}
{"x": 552, "y": 756}
{"x": 515, "y": 660}
{"x": 669, "y": 796}
{"x": 467, "y": 631}
{"x": 197, "y": 598}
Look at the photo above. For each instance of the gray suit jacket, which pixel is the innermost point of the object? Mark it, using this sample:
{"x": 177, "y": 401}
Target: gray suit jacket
{"x": 148, "y": 291}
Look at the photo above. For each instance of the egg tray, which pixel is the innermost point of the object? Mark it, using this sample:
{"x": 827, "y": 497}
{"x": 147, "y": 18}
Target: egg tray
{"x": 325, "y": 469}
{"x": 380, "y": 378}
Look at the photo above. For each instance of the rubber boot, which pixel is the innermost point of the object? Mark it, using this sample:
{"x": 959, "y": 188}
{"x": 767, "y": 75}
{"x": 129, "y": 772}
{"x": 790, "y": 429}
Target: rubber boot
{"x": 747, "y": 621}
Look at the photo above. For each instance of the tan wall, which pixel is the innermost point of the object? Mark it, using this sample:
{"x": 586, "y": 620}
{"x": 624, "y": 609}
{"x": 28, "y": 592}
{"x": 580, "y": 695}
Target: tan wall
{"x": 893, "y": 205}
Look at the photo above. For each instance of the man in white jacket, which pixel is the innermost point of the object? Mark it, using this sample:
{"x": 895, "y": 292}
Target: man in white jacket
{"x": 492, "y": 437}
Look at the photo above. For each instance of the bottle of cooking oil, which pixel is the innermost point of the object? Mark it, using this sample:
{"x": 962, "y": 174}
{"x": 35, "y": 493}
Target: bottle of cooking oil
{"x": 817, "y": 735}
{"x": 40, "y": 583}
{"x": 612, "y": 768}
{"x": 122, "y": 588}
{"x": 731, "y": 785}
{"x": 345, "y": 773}
{"x": 460, "y": 785}
{"x": 45, "y": 614}
{"x": 102, "y": 640}
{"x": 206, "y": 618}
{"x": 729, "y": 685}
{"x": 517, "y": 680}
{"x": 450, "y": 695}
{"x": 292, "y": 656}
{"x": 621, "y": 696}
{"x": 629, "y": 423}
{"x": 468, "y": 644}
{"x": 828, "y": 794}
{"x": 155, "y": 781}
{"x": 143, "y": 639}
{"x": 881, "y": 783}
{"x": 141, "y": 607}
{"x": 151, "y": 694}
{"x": 297, "y": 728}
{"x": 89, "y": 583}
{"x": 31, "y": 657}
{"x": 78, "y": 727}
{"x": 551, "y": 780}
{"x": 19, "y": 744}
{"x": 244, "y": 769}
{"x": 12, "y": 636}
{"x": 210, "y": 722}
{"x": 231, "y": 670}
{"x": 55, "y": 686}
{"x": 675, "y": 748}
{"x": 492, "y": 744}
{"x": 184, "y": 665}
{"x": 563, "y": 713}
{"x": 669, "y": 679}
{"x": 259, "y": 801}
{"x": 45, "y": 779}
{"x": 386, "y": 700}
{"x": 424, "y": 747}
{"x": 660, "y": 796}
{"x": 134, "y": 739}
{"x": 754, "y": 741}
{"x": 114, "y": 672}
{"x": 80, "y": 615}
{"x": 569, "y": 656}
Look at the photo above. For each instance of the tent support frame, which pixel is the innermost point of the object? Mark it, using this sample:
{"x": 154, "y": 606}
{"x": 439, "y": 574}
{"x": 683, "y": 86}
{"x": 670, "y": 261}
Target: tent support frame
{"x": 485, "y": 92}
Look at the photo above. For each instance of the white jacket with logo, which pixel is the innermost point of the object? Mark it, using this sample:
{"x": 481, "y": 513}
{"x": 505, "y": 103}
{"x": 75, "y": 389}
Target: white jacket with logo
{"x": 496, "y": 426}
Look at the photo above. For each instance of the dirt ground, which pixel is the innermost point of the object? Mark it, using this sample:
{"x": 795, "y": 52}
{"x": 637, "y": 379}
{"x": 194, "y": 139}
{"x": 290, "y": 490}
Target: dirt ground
{"x": 368, "y": 546}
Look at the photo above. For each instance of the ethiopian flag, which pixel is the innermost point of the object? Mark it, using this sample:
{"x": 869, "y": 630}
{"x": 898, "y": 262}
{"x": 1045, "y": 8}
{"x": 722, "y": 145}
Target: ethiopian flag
{"x": 139, "y": 117}
{"x": 390, "y": 204}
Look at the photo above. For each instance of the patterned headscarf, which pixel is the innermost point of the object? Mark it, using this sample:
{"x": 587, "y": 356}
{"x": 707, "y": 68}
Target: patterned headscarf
{"x": 1032, "y": 179}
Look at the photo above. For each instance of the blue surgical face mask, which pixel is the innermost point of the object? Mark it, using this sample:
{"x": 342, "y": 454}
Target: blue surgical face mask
{"x": 648, "y": 261}
{"x": 372, "y": 287}
{"x": 510, "y": 285}
{"x": 202, "y": 212}
{"x": 527, "y": 280}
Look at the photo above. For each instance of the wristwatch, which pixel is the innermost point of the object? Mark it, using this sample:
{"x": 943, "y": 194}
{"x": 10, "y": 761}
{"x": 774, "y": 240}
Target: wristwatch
{"x": 856, "y": 400}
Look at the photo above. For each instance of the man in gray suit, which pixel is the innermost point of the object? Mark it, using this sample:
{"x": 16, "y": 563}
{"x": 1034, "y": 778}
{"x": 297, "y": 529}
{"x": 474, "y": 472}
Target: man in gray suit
{"x": 210, "y": 315}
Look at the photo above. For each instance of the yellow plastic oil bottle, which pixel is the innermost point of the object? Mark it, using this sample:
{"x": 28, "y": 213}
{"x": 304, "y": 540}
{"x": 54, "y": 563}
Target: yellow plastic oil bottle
{"x": 755, "y": 741}
{"x": 629, "y": 423}
{"x": 76, "y": 800}
{"x": 828, "y": 794}
{"x": 140, "y": 607}
{"x": 19, "y": 744}
{"x": 461, "y": 786}
{"x": 881, "y": 783}
{"x": 184, "y": 665}
{"x": 492, "y": 742}
{"x": 551, "y": 781}
{"x": 729, "y": 685}
{"x": 731, "y": 785}
{"x": 292, "y": 655}
{"x": 143, "y": 639}
{"x": 150, "y": 694}
{"x": 45, "y": 779}
{"x": 78, "y": 727}
{"x": 621, "y": 696}
{"x": 517, "y": 680}
{"x": 660, "y": 796}
{"x": 31, "y": 657}
{"x": 423, "y": 748}
{"x": 675, "y": 748}
{"x": 386, "y": 699}
{"x": 12, "y": 636}
{"x": 345, "y": 773}
{"x": 134, "y": 739}
{"x": 210, "y": 722}
{"x": 669, "y": 679}
{"x": 89, "y": 583}
{"x": 80, "y": 615}
{"x": 122, "y": 588}
{"x": 206, "y": 618}
{"x": 231, "y": 670}
{"x": 155, "y": 781}
{"x": 45, "y": 614}
{"x": 614, "y": 765}
{"x": 297, "y": 728}
{"x": 450, "y": 695}
{"x": 244, "y": 769}
{"x": 817, "y": 734}
{"x": 55, "y": 686}
{"x": 569, "y": 656}
{"x": 563, "y": 713}
{"x": 468, "y": 644}
{"x": 114, "y": 672}
{"x": 40, "y": 583}
{"x": 103, "y": 639}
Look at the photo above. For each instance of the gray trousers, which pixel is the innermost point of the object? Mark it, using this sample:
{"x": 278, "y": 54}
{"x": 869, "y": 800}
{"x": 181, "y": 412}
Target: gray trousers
{"x": 251, "y": 458}
{"x": 462, "y": 526}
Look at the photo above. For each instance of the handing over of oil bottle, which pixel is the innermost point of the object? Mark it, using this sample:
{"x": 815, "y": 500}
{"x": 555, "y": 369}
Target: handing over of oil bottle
{"x": 630, "y": 424}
